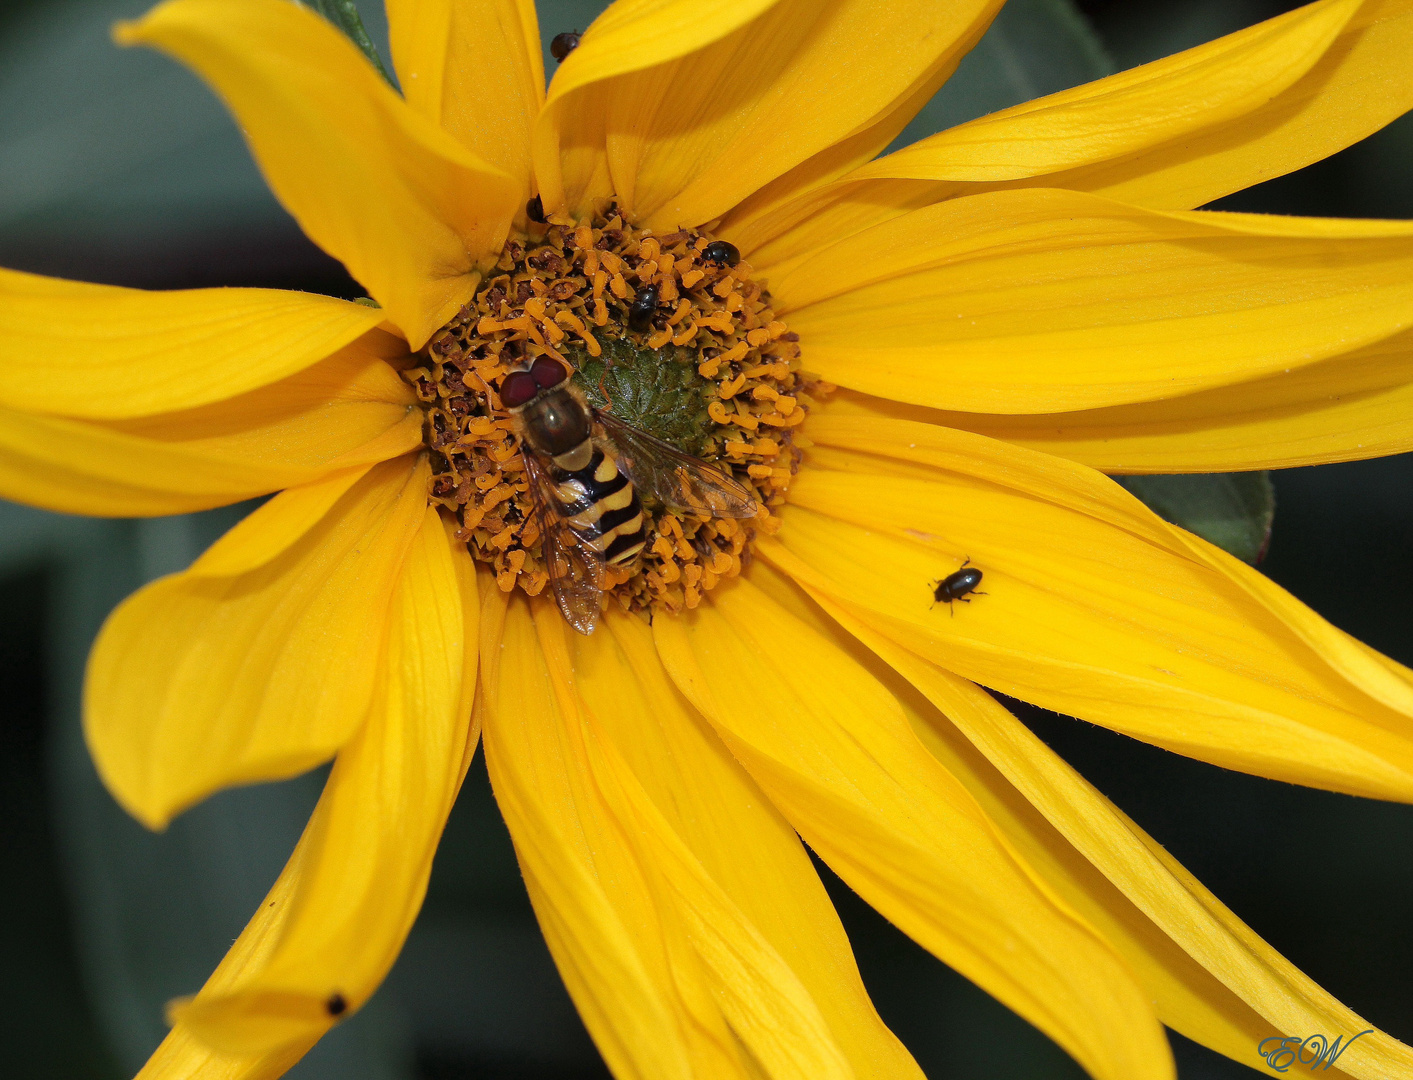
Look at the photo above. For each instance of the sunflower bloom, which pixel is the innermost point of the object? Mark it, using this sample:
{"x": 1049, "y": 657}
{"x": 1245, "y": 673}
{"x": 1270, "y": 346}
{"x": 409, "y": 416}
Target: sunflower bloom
{"x": 909, "y": 362}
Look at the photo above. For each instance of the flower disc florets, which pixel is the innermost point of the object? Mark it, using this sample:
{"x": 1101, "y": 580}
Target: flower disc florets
{"x": 669, "y": 333}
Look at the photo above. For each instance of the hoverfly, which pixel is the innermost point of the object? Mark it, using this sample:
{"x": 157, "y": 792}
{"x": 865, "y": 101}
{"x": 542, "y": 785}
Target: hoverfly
{"x": 585, "y": 467}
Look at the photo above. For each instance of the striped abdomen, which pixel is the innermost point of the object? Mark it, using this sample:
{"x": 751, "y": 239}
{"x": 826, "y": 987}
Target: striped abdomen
{"x": 599, "y": 504}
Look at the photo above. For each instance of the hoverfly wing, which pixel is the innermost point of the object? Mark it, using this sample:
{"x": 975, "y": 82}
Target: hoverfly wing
{"x": 677, "y": 480}
{"x": 576, "y": 570}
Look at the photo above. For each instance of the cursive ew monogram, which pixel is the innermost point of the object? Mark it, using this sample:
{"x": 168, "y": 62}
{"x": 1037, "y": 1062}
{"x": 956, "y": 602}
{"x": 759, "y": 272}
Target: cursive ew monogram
{"x": 1283, "y": 1051}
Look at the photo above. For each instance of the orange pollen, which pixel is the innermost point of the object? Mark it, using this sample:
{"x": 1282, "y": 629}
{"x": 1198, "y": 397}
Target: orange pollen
{"x": 662, "y": 331}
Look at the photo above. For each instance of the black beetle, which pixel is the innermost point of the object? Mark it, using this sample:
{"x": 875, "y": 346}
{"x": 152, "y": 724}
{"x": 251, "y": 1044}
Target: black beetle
{"x": 721, "y": 253}
{"x": 642, "y": 309}
{"x": 564, "y": 44}
{"x": 956, "y": 586}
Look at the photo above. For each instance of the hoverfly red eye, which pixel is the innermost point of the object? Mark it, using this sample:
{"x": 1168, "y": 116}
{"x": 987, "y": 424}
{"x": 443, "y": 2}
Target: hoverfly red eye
{"x": 547, "y": 372}
{"x": 517, "y": 388}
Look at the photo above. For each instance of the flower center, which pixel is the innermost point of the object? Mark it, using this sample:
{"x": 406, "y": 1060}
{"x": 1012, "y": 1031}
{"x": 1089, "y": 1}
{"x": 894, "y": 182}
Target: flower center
{"x": 665, "y": 333}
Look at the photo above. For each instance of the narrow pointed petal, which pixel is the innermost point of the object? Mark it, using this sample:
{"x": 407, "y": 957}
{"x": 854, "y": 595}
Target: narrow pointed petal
{"x": 750, "y": 852}
{"x": 1349, "y": 408}
{"x": 1271, "y": 99}
{"x": 155, "y": 352}
{"x": 408, "y": 209}
{"x": 347, "y": 411}
{"x": 474, "y": 68}
{"x": 337, "y": 918}
{"x": 1357, "y": 84}
{"x": 1131, "y": 112}
{"x": 1094, "y": 606}
{"x": 549, "y": 808}
{"x": 832, "y": 749}
{"x": 619, "y": 785}
{"x": 689, "y": 137}
{"x": 631, "y": 35}
{"x": 1040, "y": 300}
{"x": 792, "y": 203}
{"x": 1360, "y": 84}
{"x": 1212, "y": 977}
{"x": 182, "y": 1056}
{"x": 201, "y": 681}
{"x": 777, "y": 234}
{"x": 1110, "y": 118}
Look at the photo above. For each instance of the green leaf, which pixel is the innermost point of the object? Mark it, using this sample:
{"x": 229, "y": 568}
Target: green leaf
{"x": 344, "y": 15}
{"x": 1232, "y": 510}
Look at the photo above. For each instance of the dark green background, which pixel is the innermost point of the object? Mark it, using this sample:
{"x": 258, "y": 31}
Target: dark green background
{"x": 117, "y": 166}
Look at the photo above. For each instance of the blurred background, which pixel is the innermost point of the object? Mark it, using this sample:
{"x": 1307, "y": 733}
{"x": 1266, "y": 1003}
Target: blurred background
{"x": 118, "y": 166}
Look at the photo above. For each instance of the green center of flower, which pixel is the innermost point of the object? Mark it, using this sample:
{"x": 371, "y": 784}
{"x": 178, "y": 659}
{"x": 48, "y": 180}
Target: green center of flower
{"x": 663, "y": 335}
{"x": 655, "y": 390}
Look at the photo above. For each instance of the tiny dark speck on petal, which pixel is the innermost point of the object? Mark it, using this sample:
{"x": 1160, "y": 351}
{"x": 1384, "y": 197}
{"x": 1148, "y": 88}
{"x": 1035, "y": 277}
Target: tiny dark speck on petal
{"x": 337, "y": 1005}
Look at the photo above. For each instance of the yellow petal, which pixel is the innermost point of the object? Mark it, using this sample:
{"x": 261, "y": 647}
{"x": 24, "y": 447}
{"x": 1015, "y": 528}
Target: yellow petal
{"x": 631, "y": 35}
{"x": 681, "y": 126}
{"x": 775, "y": 235}
{"x": 182, "y": 1056}
{"x": 1094, "y": 606}
{"x": 1269, "y": 100}
{"x": 750, "y": 852}
{"x": 1131, "y": 112}
{"x": 1041, "y": 300}
{"x": 1212, "y": 977}
{"x": 198, "y": 682}
{"x": 1359, "y": 84}
{"x": 1362, "y": 82}
{"x": 606, "y": 777}
{"x": 1355, "y": 406}
{"x": 139, "y": 353}
{"x": 833, "y": 750}
{"x": 686, "y": 141}
{"x": 568, "y": 870}
{"x": 354, "y": 885}
{"x": 349, "y": 410}
{"x": 257, "y": 539}
{"x": 408, "y": 209}
{"x": 474, "y": 68}
{"x": 802, "y": 203}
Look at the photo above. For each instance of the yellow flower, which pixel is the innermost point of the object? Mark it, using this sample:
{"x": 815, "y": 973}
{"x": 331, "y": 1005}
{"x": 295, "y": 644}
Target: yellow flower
{"x": 1009, "y": 307}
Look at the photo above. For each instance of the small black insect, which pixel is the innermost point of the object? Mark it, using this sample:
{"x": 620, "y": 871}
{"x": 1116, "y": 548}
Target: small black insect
{"x": 535, "y": 210}
{"x": 336, "y": 1005}
{"x": 722, "y": 253}
{"x": 643, "y": 308}
{"x": 956, "y": 586}
{"x": 564, "y": 44}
